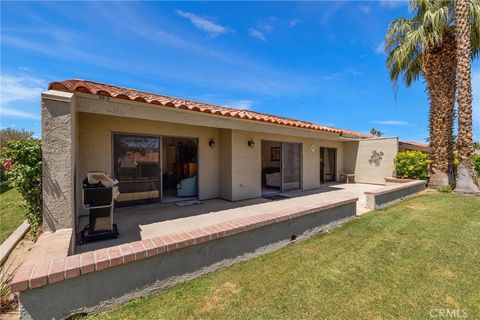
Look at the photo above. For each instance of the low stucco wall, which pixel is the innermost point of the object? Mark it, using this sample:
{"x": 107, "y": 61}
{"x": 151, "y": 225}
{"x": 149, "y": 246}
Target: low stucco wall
{"x": 100, "y": 290}
{"x": 391, "y": 194}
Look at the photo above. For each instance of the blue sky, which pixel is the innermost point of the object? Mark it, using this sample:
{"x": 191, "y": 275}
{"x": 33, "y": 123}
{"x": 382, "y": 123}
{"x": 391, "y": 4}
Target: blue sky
{"x": 321, "y": 62}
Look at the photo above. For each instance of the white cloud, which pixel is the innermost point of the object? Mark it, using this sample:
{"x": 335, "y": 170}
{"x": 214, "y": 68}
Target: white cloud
{"x": 210, "y": 27}
{"x": 16, "y": 89}
{"x": 14, "y": 113}
{"x": 353, "y": 71}
{"x": 257, "y": 34}
{"x": 20, "y": 88}
{"x": 25, "y": 69}
{"x": 266, "y": 26}
{"x": 380, "y": 48}
{"x": 392, "y": 4}
{"x": 364, "y": 8}
{"x": 293, "y": 22}
{"x": 241, "y": 104}
{"x": 392, "y": 122}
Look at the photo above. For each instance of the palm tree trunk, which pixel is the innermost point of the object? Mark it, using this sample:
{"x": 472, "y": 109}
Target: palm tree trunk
{"x": 438, "y": 66}
{"x": 466, "y": 180}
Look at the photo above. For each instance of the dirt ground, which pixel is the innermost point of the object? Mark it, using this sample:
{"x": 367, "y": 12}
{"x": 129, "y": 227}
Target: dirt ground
{"x": 15, "y": 259}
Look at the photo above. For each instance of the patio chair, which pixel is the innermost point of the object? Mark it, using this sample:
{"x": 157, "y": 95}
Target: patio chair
{"x": 187, "y": 187}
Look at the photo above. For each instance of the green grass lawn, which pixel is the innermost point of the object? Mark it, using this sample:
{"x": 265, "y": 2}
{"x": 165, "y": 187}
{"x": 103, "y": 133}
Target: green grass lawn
{"x": 397, "y": 263}
{"x": 11, "y": 213}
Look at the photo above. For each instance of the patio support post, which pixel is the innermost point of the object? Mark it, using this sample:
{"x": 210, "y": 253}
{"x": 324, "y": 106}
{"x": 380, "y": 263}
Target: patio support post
{"x": 58, "y": 153}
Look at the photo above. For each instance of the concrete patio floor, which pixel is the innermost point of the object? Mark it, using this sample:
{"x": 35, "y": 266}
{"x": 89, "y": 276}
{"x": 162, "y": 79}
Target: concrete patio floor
{"x": 138, "y": 223}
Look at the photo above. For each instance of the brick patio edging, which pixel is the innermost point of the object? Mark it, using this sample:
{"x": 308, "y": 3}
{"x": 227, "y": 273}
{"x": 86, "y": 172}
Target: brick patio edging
{"x": 49, "y": 270}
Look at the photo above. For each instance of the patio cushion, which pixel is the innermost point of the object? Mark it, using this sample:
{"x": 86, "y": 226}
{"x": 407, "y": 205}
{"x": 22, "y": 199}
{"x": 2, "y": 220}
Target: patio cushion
{"x": 187, "y": 187}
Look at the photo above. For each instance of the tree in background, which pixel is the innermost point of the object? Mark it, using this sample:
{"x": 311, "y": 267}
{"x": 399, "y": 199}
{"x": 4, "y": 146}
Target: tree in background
{"x": 425, "y": 46}
{"x": 467, "y": 181}
{"x": 376, "y": 133}
{"x": 9, "y": 134}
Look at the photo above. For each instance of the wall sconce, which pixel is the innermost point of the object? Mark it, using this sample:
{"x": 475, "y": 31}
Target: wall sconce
{"x": 211, "y": 143}
{"x": 251, "y": 143}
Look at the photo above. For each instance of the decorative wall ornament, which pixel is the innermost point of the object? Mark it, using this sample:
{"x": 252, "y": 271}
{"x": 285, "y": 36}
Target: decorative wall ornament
{"x": 376, "y": 158}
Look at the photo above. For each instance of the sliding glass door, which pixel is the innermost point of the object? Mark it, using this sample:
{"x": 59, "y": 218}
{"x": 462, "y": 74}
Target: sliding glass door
{"x": 328, "y": 159}
{"x": 179, "y": 168}
{"x": 137, "y": 168}
{"x": 291, "y": 166}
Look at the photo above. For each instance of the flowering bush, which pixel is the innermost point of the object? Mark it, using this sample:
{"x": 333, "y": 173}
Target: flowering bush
{"x": 412, "y": 165}
{"x": 22, "y": 165}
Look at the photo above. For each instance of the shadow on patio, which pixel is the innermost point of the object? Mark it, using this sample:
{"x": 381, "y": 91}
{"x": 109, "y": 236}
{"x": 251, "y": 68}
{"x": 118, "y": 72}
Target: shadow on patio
{"x": 142, "y": 222}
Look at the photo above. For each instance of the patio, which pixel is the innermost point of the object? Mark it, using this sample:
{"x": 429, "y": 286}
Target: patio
{"x": 138, "y": 223}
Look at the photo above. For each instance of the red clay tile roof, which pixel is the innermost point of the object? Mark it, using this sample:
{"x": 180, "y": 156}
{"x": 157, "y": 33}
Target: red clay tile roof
{"x": 101, "y": 89}
{"x": 414, "y": 146}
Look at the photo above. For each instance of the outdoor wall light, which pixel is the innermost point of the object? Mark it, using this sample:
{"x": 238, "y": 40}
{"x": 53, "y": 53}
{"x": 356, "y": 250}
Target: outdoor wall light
{"x": 211, "y": 143}
{"x": 251, "y": 143}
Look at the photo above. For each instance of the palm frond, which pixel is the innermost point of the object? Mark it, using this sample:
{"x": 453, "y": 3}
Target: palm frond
{"x": 407, "y": 39}
{"x": 475, "y": 23}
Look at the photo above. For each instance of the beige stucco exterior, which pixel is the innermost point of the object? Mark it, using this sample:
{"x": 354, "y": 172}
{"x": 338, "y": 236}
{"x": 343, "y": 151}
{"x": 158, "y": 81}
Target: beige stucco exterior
{"x": 231, "y": 169}
{"x": 59, "y": 160}
{"x": 371, "y": 160}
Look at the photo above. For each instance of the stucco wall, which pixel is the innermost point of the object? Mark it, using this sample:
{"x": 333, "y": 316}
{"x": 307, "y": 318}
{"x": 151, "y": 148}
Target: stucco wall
{"x": 350, "y": 150}
{"x": 375, "y": 159}
{"x": 246, "y": 174}
{"x": 58, "y": 154}
{"x": 231, "y": 170}
{"x": 95, "y": 146}
{"x": 225, "y": 163}
{"x": 389, "y": 195}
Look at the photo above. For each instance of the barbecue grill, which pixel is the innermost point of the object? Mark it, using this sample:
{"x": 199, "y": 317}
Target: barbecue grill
{"x": 98, "y": 193}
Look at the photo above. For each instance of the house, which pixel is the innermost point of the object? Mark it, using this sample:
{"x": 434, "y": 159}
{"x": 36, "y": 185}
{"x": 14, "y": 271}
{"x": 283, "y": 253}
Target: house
{"x": 166, "y": 152}
{"x": 165, "y": 149}
{"x": 413, "y": 146}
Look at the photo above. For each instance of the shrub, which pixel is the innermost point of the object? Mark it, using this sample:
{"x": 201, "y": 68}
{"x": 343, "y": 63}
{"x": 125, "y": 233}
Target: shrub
{"x": 412, "y": 165}
{"x": 476, "y": 163}
{"x": 22, "y": 161}
{"x": 7, "y": 300}
{"x": 445, "y": 189}
{"x": 9, "y": 134}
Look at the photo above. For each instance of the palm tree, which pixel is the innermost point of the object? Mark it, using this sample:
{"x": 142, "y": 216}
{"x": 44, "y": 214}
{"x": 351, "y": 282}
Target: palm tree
{"x": 376, "y": 133}
{"x": 425, "y": 46}
{"x": 466, "y": 179}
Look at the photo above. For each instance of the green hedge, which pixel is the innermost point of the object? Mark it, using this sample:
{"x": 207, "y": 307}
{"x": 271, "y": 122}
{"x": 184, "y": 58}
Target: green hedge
{"x": 476, "y": 163}
{"x": 412, "y": 165}
{"x": 22, "y": 162}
